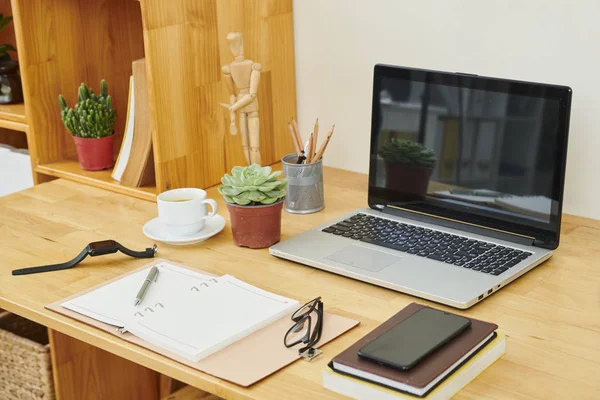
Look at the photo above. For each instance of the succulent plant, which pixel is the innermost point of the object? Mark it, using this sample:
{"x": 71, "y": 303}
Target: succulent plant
{"x": 253, "y": 185}
{"x": 408, "y": 152}
{"x": 5, "y": 47}
{"x": 93, "y": 115}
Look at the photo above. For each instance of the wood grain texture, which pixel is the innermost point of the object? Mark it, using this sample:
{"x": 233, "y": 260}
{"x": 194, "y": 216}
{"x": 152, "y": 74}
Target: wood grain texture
{"x": 80, "y": 368}
{"x": 12, "y": 116}
{"x": 551, "y": 315}
{"x": 63, "y": 43}
{"x": 185, "y": 42}
{"x": 70, "y": 169}
{"x": 190, "y": 393}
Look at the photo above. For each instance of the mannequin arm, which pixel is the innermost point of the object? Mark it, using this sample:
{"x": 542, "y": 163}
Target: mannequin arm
{"x": 244, "y": 100}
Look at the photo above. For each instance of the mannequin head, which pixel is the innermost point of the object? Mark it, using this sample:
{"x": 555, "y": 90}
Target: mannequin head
{"x": 236, "y": 44}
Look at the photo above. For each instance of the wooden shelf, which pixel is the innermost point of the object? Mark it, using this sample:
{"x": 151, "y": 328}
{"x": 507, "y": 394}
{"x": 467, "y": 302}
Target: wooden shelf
{"x": 69, "y": 169}
{"x": 12, "y": 116}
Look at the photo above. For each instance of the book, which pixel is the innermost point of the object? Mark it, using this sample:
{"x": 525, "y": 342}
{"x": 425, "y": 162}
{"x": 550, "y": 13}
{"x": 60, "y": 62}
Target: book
{"x": 188, "y": 313}
{"x": 432, "y": 370}
{"x": 124, "y": 153}
{"x": 360, "y": 389}
{"x": 139, "y": 170}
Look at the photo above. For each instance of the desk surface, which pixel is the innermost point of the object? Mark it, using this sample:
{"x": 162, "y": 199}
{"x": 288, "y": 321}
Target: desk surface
{"x": 551, "y": 315}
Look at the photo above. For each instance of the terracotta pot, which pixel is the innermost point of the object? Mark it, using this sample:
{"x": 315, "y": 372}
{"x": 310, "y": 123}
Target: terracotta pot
{"x": 412, "y": 181}
{"x": 256, "y": 227}
{"x": 95, "y": 154}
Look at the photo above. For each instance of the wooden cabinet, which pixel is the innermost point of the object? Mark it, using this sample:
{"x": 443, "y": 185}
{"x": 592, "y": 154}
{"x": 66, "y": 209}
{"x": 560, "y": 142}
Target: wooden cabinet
{"x": 65, "y": 42}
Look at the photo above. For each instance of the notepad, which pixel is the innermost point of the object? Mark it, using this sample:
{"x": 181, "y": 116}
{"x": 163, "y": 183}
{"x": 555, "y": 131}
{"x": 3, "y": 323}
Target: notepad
{"x": 189, "y": 313}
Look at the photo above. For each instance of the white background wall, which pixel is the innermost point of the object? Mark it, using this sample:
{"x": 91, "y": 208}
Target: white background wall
{"x": 553, "y": 41}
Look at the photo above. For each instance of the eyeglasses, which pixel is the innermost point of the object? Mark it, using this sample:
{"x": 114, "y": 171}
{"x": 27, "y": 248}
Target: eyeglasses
{"x": 307, "y": 328}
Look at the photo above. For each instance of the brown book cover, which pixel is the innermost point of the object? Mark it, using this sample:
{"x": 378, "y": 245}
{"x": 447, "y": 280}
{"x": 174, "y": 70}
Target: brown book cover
{"x": 140, "y": 167}
{"x": 429, "y": 368}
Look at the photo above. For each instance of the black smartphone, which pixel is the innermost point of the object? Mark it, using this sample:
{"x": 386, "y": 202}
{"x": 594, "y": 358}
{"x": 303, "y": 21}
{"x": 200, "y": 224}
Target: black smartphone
{"x": 413, "y": 339}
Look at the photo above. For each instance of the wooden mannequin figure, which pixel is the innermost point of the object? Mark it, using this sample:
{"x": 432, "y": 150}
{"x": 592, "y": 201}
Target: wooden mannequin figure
{"x": 245, "y": 76}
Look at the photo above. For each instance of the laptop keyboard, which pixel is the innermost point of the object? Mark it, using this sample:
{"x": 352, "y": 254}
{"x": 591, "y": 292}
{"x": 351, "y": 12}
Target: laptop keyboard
{"x": 451, "y": 249}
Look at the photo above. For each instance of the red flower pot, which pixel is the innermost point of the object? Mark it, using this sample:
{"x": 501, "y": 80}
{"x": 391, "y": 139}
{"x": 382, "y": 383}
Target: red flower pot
{"x": 95, "y": 154}
{"x": 256, "y": 227}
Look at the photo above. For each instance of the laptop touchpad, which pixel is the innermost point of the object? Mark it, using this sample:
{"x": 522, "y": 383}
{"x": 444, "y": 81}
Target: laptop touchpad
{"x": 363, "y": 258}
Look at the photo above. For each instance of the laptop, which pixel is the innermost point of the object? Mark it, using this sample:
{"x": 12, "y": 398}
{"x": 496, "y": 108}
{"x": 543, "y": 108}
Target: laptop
{"x": 465, "y": 194}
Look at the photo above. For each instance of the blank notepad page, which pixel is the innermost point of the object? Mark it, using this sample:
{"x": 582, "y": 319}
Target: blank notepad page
{"x": 198, "y": 320}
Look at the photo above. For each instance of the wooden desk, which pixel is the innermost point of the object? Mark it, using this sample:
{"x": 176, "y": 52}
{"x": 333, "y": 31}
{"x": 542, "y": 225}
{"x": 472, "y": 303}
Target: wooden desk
{"x": 551, "y": 315}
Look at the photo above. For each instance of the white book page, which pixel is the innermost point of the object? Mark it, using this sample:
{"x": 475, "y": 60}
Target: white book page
{"x": 113, "y": 304}
{"x": 128, "y": 136}
{"x": 197, "y": 323}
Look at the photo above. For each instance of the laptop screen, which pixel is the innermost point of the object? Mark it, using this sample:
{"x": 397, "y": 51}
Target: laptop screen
{"x": 485, "y": 151}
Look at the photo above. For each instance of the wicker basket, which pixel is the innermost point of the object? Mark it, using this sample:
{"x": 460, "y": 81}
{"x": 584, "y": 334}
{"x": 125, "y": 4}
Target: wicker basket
{"x": 25, "y": 366}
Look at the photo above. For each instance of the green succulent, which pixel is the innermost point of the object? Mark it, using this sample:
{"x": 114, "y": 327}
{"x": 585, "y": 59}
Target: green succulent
{"x": 93, "y": 115}
{"x": 253, "y": 185}
{"x": 408, "y": 152}
{"x": 4, "y": 48}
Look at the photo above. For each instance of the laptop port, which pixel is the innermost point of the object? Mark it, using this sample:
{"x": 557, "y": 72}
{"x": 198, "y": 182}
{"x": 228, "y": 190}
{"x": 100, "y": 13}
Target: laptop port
{"x": 480, "y": 297}
{"x": 490, "y": 291}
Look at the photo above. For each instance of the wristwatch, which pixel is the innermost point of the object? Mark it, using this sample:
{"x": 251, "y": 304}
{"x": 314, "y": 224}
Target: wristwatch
{"x": 93, "y": 249}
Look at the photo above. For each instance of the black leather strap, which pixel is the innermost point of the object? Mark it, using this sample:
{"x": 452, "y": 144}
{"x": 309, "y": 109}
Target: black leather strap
{"x": 148, "y": 253}
{"x": 53, "y": 267}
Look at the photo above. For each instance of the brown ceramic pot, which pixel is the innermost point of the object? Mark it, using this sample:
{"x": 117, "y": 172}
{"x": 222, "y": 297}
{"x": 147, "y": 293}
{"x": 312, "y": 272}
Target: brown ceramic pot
{"x": 412, "y": 181}
{"x": 256, "y": 227}
{"x": 95, "y": 154}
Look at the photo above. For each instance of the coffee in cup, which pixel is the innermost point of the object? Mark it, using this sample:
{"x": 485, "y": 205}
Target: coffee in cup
{"x": 183, "y": 212}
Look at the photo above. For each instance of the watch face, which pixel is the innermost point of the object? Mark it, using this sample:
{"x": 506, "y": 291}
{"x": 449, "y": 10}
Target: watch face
{"x": 105, "y": 244}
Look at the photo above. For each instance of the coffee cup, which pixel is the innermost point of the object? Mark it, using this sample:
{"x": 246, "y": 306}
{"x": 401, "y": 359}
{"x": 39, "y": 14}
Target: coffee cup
{"x": 183, "y": 212}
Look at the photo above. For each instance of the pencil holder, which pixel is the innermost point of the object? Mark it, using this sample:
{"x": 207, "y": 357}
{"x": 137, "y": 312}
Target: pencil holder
{"x": 305, "y": 193}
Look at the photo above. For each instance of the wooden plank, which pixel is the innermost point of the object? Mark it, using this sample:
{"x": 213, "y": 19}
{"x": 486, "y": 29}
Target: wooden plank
{"x": 70, "y": 169}
{"x": 550, "y": 314}
{"x": 79, "y": 368}
{"x": 190, "y": 127}
{"x": 190, "y": 393}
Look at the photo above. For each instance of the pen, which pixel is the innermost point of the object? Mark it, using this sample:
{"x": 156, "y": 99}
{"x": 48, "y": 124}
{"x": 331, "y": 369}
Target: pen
{"x": 152, "y": 276}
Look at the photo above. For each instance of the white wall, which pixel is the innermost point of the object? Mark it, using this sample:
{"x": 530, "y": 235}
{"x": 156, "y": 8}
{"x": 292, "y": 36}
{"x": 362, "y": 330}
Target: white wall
{"x": 553, "y": 41}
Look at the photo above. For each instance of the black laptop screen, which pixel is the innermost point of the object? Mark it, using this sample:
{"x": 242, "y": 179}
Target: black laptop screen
{"x": 480, "y": 150}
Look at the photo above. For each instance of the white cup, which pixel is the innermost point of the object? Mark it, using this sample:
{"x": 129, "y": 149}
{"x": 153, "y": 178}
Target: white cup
{"x": 183, "y": 212}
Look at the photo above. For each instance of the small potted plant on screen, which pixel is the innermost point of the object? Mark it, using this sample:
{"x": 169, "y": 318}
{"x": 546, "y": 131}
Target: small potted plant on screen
{"x": 91, "y": 122}
{"x": 254, "y": 197}
{"x": 408, "y": 166}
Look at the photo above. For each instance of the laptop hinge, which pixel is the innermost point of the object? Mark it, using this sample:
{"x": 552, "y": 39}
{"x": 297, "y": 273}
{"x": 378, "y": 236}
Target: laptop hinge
{"x": 460, "y": 225}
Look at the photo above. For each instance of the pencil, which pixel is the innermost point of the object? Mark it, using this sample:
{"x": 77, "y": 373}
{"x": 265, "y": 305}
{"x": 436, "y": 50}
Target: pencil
{"x": 295, "y": 140}
{"x": 309, "y": 149}
{"x": 297, "y": 132}
{"x": 319, "y": 154}
{"x": 313, "y": 151}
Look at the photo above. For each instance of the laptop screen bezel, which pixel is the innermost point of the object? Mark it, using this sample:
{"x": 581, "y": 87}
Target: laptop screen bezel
{"x": 547, "y": 237}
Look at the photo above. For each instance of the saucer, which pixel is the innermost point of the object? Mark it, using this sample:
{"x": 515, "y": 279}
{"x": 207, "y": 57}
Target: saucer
{"x": 213, "y": 225}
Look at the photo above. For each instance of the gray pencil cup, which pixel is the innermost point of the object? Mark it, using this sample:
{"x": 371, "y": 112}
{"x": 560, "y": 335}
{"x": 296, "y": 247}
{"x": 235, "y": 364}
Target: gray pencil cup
{"x": 305, "y": 193}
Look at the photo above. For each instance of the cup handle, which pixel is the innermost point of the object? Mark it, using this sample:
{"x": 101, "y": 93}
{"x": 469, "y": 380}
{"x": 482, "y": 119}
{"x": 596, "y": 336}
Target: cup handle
{"x": 213, "y": 204}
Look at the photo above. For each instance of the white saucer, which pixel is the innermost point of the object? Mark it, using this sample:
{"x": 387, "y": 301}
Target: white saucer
{"x": 213, "y": 225}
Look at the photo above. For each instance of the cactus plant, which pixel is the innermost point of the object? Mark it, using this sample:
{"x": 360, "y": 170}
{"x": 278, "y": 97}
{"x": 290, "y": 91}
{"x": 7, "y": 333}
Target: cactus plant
{"x": 4, "y": 48}
{"x": 253, "y": 185}
{"x": 93, "y": 115}
{"x": 407, "y": 152}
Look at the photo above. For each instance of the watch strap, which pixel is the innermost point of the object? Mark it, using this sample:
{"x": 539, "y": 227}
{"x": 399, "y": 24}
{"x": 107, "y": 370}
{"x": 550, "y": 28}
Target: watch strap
{"x": 148, "y": 253}
{"x": 54, "y": 267}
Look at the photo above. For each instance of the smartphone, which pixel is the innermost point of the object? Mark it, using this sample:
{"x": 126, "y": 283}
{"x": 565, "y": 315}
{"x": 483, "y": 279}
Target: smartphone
{"x": 413, "y": 339}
